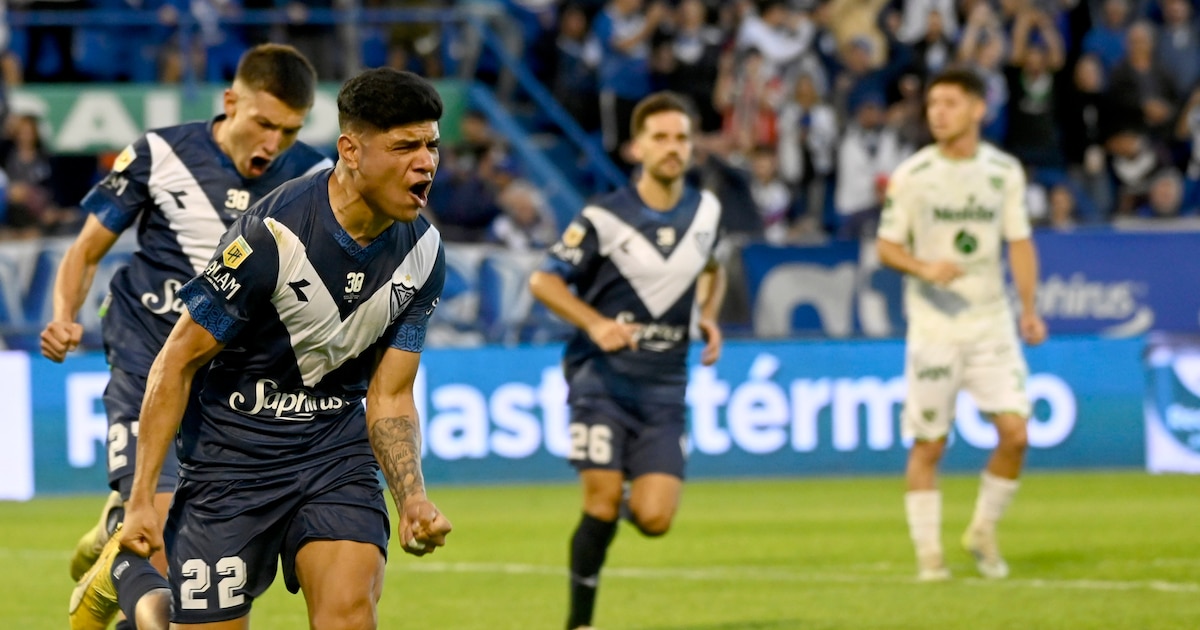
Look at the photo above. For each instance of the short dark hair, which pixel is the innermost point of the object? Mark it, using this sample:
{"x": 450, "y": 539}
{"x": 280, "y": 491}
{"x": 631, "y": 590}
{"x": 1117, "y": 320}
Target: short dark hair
{"x": 382, "y": 98}
{"x": 965, "y": 78}
{"x": 281, "y": 71}
{"x": 658, "y": 103}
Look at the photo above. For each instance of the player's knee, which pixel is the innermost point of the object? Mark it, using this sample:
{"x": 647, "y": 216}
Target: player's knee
{"x": 603, "y": 512}
{"x": 1014, "y": 438}
{"x": 346, "y": 613}
{"x": 603, "y": 505}
{"x": 928, "y": 451}
{"x": 154, "y": 610}
{"x": 653, "y": 523}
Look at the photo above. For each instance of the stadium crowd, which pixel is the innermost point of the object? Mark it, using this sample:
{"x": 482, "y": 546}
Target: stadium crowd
{"x": 805, "y": 105}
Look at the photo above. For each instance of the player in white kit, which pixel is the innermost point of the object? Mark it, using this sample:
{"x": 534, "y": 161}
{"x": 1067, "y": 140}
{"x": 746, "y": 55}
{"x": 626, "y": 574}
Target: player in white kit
{"x": 949, "y": 207}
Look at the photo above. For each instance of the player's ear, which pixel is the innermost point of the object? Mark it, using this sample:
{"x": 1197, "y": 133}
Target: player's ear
{"x": 978, "y": 109}
{"x": 349, "y": 148}
{"x": 635, "y": 149}
{"x": 229, "y": 102}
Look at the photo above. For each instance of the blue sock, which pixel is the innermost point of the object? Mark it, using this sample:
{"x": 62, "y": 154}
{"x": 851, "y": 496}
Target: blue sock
{"x": 133, "y": 576}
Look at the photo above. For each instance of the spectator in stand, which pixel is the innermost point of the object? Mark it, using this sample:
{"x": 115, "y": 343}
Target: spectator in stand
{"x": 1063, "y": 210}
{"x": 1188, "y": 131}
{"x": 1083, "y": 123}
{"x": 916, "y": 24}
{"x": 223, "y": 43}
{"x": 526, "y": 222}
{"x": 30, "y": 199}
{"x": 1178, "y": 46}
{"x": 1134, "y": 159}
{"x": 857, "y": 76}
{"x": 808, "y": 139}
{"x": 868, "y": 152}
{"x": 476, "y": 140}
{"x": 858, "y": 20}
{"x": 982, "y": 47}
{"x": 464, "y": 208}
{"x": 1164, "y": 200}
{"x": 934, "y": 50}
{"x": 771, "y": 195}
{"x": 1106, "y": 40}
{"x": 318, "y": 41}
{"x": 624, "y": 31}
{"x": 695, "y": 61}
{"x": 777, "y": 31}
{"x": 574, "y": 68}
{"x": 1140, "y": 89}
{"x": 748, "y": 95}
{"x": 1037, "y": 56}
{"x": 49, "y": 50}
{"x": 824, "y": 50}
{"x": 907, "y": 115}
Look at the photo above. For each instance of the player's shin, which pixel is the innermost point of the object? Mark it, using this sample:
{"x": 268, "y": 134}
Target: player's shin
{"x": 142, "y": 592}
{"x": 924, "y": 511}
{"x": 589, "y": 546}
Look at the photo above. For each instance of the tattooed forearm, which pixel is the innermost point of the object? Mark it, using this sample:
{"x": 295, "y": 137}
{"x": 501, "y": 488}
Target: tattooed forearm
{"x": 397, "y": 445}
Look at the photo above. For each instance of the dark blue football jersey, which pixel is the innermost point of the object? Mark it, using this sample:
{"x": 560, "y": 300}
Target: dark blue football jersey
{"x": 182, "y": 192}
{"x": 305, "y": 312}
{"x": 638, "y": 265}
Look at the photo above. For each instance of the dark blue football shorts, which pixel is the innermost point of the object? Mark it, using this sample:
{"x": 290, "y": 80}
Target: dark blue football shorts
{"x": 634, "y": 437}
{"x": 123, "y": 404}
{"x": 224, "y": 537}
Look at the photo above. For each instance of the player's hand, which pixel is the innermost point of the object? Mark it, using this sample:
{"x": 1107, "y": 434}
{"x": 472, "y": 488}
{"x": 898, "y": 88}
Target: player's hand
{"x": 612, "y": 335}
{"x": 422, "y": 527}
{"x": 59, "y": 338}
{"x": 1033, "y": 328}
{"x": 940, "y": 272}
{"x": 712, "y": 338}
{"x": 141, "y": 532}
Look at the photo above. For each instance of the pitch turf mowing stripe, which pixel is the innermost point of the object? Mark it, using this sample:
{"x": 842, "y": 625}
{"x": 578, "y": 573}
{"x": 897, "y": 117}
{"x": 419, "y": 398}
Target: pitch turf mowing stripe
{"x": 766, "y": 574}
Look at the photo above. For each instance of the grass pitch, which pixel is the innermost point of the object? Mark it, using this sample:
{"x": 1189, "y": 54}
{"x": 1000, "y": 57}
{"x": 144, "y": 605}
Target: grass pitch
{"x": 1095, "y": 550}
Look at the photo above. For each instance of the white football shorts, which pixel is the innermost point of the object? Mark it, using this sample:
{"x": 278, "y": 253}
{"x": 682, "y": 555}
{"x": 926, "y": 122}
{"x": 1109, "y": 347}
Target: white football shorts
{"x": 992, "y": 371}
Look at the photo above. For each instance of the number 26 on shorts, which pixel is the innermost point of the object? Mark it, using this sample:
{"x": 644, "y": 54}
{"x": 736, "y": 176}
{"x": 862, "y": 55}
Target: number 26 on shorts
{"x": 593, "y": 443}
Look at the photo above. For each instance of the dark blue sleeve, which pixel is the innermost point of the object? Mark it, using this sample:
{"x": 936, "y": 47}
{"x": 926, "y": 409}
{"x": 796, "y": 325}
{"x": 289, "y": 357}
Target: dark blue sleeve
{"x": 602, "y": 28}
{"x": 124, "y": 193}
{"x": 237, "y": 283}
{"x": 409, "y": 329}
{"x": 576, "y": 253}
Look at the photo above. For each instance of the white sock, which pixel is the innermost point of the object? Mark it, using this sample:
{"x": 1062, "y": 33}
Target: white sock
{"x": 995, "y": 493}
{"x": 924, "y": 510}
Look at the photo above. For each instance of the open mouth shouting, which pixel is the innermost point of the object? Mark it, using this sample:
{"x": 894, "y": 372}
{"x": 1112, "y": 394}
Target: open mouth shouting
{"x": 259, "y": 165}
{"x": 420, "y": 192}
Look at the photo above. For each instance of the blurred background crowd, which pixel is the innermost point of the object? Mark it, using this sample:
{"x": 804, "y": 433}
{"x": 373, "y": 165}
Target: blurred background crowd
{"x": 805, "y": 106}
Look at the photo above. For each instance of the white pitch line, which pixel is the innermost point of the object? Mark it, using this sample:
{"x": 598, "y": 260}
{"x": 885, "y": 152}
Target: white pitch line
{"x": 741, "y": 573}
{"x": 772, "y": 574}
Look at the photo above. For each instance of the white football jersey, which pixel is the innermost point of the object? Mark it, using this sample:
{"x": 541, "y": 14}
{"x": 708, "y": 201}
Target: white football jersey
{"x": 960, "y": 211}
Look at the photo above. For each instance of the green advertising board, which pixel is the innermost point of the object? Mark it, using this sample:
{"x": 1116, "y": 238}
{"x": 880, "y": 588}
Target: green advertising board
{"x": 97, "y": 117}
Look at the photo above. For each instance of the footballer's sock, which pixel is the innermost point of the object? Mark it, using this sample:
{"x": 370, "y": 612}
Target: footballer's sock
{"x": 924, "y": 511}
{"x": 124, "y": 624}
{"x": 133, "y": 576}
{"x": 588, "y": 548}
{"x": 995, "y": 493}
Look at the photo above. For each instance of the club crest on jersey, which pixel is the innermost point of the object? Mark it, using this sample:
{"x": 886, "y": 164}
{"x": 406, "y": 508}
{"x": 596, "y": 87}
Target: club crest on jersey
{"x": 704, "y": 241}
{"x": 997, "y": 182}
{"x": 236, "y": 253}
{"x": 665, "y": 236}
{"x": 574, "y": 234}
{"x": 402, "y": 294}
